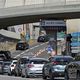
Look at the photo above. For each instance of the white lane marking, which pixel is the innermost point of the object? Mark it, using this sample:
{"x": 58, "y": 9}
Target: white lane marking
{"x": 30, "y": 49}
{"x": 39, "y": 52}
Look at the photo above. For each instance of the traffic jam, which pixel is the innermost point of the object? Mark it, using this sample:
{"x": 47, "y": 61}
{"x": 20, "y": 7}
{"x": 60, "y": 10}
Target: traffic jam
{"x": 46, "y": 59}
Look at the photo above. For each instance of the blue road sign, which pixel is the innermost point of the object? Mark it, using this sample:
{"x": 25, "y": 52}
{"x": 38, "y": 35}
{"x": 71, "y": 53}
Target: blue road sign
{"x": 75, "y": 34}
{"x": 75, "y": 44}
{"x": 49, "y": 49}
{"x": 27, "y": 37}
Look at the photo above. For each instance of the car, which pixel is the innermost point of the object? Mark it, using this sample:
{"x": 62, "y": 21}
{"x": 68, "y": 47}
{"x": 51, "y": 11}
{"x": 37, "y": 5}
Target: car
{"x": 34, "y": 67}
{"x": 72, "y": 70}
{"x": 1, "y": 67}
{"x": 22, "y": 45}
{"x": 20, "y": 65}
{"x": 2, "y": 57}
{"x": 42, "y": 38}
{"x": 12, "y": 67}
{"x": 56, "y": 66}
{"x": 7, "y": 54}
{"x": 6, "y": 66}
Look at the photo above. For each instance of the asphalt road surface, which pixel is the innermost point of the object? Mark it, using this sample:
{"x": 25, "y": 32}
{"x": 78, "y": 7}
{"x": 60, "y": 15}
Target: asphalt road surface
{"x": 34, "y": 50}
{"x": 5, "y": 77}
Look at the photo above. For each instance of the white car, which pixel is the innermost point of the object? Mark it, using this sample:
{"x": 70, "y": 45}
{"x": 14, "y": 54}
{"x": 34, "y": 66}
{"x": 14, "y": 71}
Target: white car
{"x": 12, "y": 67}
{"x": 34, "y": 67}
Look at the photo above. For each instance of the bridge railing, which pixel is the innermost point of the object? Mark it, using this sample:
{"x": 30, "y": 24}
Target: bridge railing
{"x": 36, "y": 3}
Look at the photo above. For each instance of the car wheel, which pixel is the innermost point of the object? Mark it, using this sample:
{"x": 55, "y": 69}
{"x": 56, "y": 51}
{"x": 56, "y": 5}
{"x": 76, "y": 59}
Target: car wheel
{"x": 44, "y": 76}
{"x": 51, "y": 75}
{"x": 26, "y": 75}
{"x": 78, "y": 75}
{"x": 66, "y": 76}
{"x": 15, "y": 74}
{"x": 22, "y": 75}
{"x": 9, "y": 74}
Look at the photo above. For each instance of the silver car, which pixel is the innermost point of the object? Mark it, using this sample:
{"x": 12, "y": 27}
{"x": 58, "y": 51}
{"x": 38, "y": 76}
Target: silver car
{"x": 1, "y": 67}
{"x": 6, "y": 66}
{"x": 34, "y": 67}
{"x": 56, "y": 66}
{"x": 12, "y": 67}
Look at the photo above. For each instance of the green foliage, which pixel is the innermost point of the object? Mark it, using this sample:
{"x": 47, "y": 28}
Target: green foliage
{"x": 77, "y": 58}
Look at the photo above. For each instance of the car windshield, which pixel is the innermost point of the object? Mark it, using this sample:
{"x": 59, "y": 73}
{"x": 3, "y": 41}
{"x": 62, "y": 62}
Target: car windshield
{"x": 38, "y": 61}
{"x": 14, "y": 62}
{"x": 62, "y": 60}
{"x": 20, "y": 44}
{"x": 24, "y": 60}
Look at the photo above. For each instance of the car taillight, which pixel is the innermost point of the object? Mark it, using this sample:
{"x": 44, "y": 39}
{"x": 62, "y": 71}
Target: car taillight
{"x": 30, "y": 65}
{"x": 12, "y": 65}
{"x": 55, "y": 62}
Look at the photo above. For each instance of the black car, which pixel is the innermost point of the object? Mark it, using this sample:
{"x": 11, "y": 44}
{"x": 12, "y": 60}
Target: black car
{"x": 22, "y": 45}
{"x": 56, "y": 67}
{"x": 43, "y": 38}
{"x": 72, "y": 70}
{"x": 5, "y": 55}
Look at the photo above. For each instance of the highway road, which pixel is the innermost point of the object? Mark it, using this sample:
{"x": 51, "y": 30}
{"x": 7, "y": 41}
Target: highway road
{"x": 37, "y": 50}
{"x": 34, "y": 50}
{"x": 5, "y": 77}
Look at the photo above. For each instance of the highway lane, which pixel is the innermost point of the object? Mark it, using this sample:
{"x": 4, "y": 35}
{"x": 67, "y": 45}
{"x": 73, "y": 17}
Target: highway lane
{"x": 14, "y": 53}
{"x": 37, "y": 49}
{"x": 5, "y": 77}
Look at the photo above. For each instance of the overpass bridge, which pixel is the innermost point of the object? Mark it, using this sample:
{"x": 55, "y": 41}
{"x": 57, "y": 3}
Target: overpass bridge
{"x": 33, "y": 12}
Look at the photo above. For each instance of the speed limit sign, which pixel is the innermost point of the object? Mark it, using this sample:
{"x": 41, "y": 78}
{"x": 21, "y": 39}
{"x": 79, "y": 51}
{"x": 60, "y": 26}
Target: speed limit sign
{"x": 20, "y": 29}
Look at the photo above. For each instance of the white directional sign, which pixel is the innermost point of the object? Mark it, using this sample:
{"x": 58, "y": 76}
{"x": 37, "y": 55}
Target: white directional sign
{"x": 75, "y": 51}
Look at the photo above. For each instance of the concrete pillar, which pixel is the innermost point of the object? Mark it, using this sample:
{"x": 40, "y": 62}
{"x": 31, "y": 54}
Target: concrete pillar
{"x": 31, "y": 30}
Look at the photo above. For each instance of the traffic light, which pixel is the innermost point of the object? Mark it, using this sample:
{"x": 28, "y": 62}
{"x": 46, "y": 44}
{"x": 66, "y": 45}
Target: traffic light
{"x": 68, "y": 43}
{"x": 68, "y": 37}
